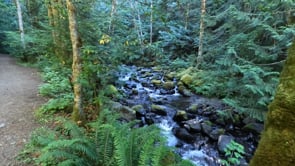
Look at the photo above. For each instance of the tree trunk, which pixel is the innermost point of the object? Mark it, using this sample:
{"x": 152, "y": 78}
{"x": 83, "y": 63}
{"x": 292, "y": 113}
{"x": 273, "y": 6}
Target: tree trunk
{"x": 59, "y": 35}
{"x": 200, "y": 51}
{"x": 151, "y": 23}
{"x": 137, "y": 25}
{"x": 277, "y": 144}
{"x": 77, "y": 115}
{"x": 20, "y": 24}
{"x": 113, "y": 13}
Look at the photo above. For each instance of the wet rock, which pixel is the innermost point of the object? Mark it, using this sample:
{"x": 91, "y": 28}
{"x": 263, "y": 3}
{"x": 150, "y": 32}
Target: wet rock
{"x": 206, "y": 128}
{"x": 140, "y": 111}
{"x": 183, "y": 134}
{"x": 134, "y": 91}
{"x": 125, "y": 112}
{"x": 180, "y": 116}
{"x": 149, "y": 118}
{"x": 157, "y": 109}
{"x": 169, "y": 85}
{"x": 165, "y": 92}
{"x": 185, "y": 92}
{"x": 193, "y": 108}
{"x": 223, "y": 141}
{"x": 253, "y": 127}
{"x": 130, "y": 85}
{"x": 186, "y": 79}
{"x": 193, "y": 126}
{"x": 216, "y": 133}
{"x": 157, "y": 100}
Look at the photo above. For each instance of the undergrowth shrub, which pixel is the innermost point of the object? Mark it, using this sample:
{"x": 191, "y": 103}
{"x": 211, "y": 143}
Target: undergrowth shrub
{"x": 56, "y": 86}
{"x": 107, "y": 142}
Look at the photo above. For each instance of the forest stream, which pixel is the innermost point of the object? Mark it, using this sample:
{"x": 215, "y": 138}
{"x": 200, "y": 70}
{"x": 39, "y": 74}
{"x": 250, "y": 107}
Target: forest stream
{"x": 191, "y": 123}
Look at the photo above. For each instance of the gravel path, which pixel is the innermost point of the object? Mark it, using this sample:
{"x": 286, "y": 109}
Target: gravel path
{"x": 18, "y": 99}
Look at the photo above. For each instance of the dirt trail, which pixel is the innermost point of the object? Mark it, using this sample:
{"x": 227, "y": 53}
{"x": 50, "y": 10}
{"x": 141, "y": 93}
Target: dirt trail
{"x": 18, "y": 99}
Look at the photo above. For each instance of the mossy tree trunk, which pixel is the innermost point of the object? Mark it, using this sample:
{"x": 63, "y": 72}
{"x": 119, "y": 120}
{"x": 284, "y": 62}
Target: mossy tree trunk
{"x": 57, "y": 21}
{"x": 77, "y": 115}
{"x": 277, "y": 144}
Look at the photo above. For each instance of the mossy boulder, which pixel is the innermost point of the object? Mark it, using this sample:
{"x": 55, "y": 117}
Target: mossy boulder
{"x": 193, "y": 108}
{"x": 183, "y": 134}
{"x": 125, "y": 112}
{"x": 157, "y": 109}
{"x": 168, "y": 85}
{"x": 214, "y": 135}
{"x": 184, "y": 91}
{"x": 193, "y": 126}
{"x": 170, "y": 75}
{"x": 140, "y": 111}
{"x": 156, "y": 82}
{"x": 186, "y": 79}
{"x": 180, "y": 115}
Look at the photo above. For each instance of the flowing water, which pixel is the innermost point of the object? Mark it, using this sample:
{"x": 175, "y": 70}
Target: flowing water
{"x": 200, "y": 148}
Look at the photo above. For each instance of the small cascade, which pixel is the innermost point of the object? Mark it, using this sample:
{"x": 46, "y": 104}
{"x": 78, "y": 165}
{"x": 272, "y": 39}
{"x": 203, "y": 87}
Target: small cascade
{"x": 193, "y": 131}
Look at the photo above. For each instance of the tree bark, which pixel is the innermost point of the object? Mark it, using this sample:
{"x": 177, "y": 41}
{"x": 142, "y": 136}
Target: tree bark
{"x": 20, "y": 24}
{"x": 151, "y": 23}
{"x": 277, "y": 143}
{"x": 77, "y": 115}
{"x": 201, "y": 36}
{"x": 57, "y": 22}
{"x": 137, "y": 25}
{"x": 113, "y": 13}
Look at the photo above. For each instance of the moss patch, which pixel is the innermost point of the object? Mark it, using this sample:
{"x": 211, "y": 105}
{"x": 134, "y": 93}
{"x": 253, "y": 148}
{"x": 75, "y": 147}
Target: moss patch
{"x": 277, "y": 144}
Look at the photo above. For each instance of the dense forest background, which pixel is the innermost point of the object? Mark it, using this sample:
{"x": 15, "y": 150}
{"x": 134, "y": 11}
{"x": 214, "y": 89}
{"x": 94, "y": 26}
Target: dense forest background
{"x": 234, "y": 51}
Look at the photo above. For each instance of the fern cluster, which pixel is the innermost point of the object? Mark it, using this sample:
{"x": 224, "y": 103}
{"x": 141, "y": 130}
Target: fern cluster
{"x": 106, "y": 143}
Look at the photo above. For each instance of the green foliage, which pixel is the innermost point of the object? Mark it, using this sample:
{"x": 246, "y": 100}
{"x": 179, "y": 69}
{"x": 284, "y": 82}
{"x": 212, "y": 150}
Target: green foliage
{"x": 233, "y": 153}
{"x": 109, "y": 144}
{"x": 56, "y": 86}
{"x": 121, "y": 144}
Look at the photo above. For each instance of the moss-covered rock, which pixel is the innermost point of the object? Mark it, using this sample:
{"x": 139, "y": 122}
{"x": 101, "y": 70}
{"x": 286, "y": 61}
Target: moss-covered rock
{"x": 156, "y": 82}
{"x": 168, "y": 85}
{"x": 180, "y": 115}
{"x": 157, "y": 109}
{"x": 139, "y": 110}
{"x": 193, "y": 108}
{"x": 171, "y": 75}
{"x": 277, "y": 143}
{"x": 125, "y": 112}
{"x": 186, "y": 79}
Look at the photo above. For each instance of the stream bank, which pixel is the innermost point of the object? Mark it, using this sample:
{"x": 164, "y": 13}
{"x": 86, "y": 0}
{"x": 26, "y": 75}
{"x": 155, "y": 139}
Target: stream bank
{"x": 200, "y": 128}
